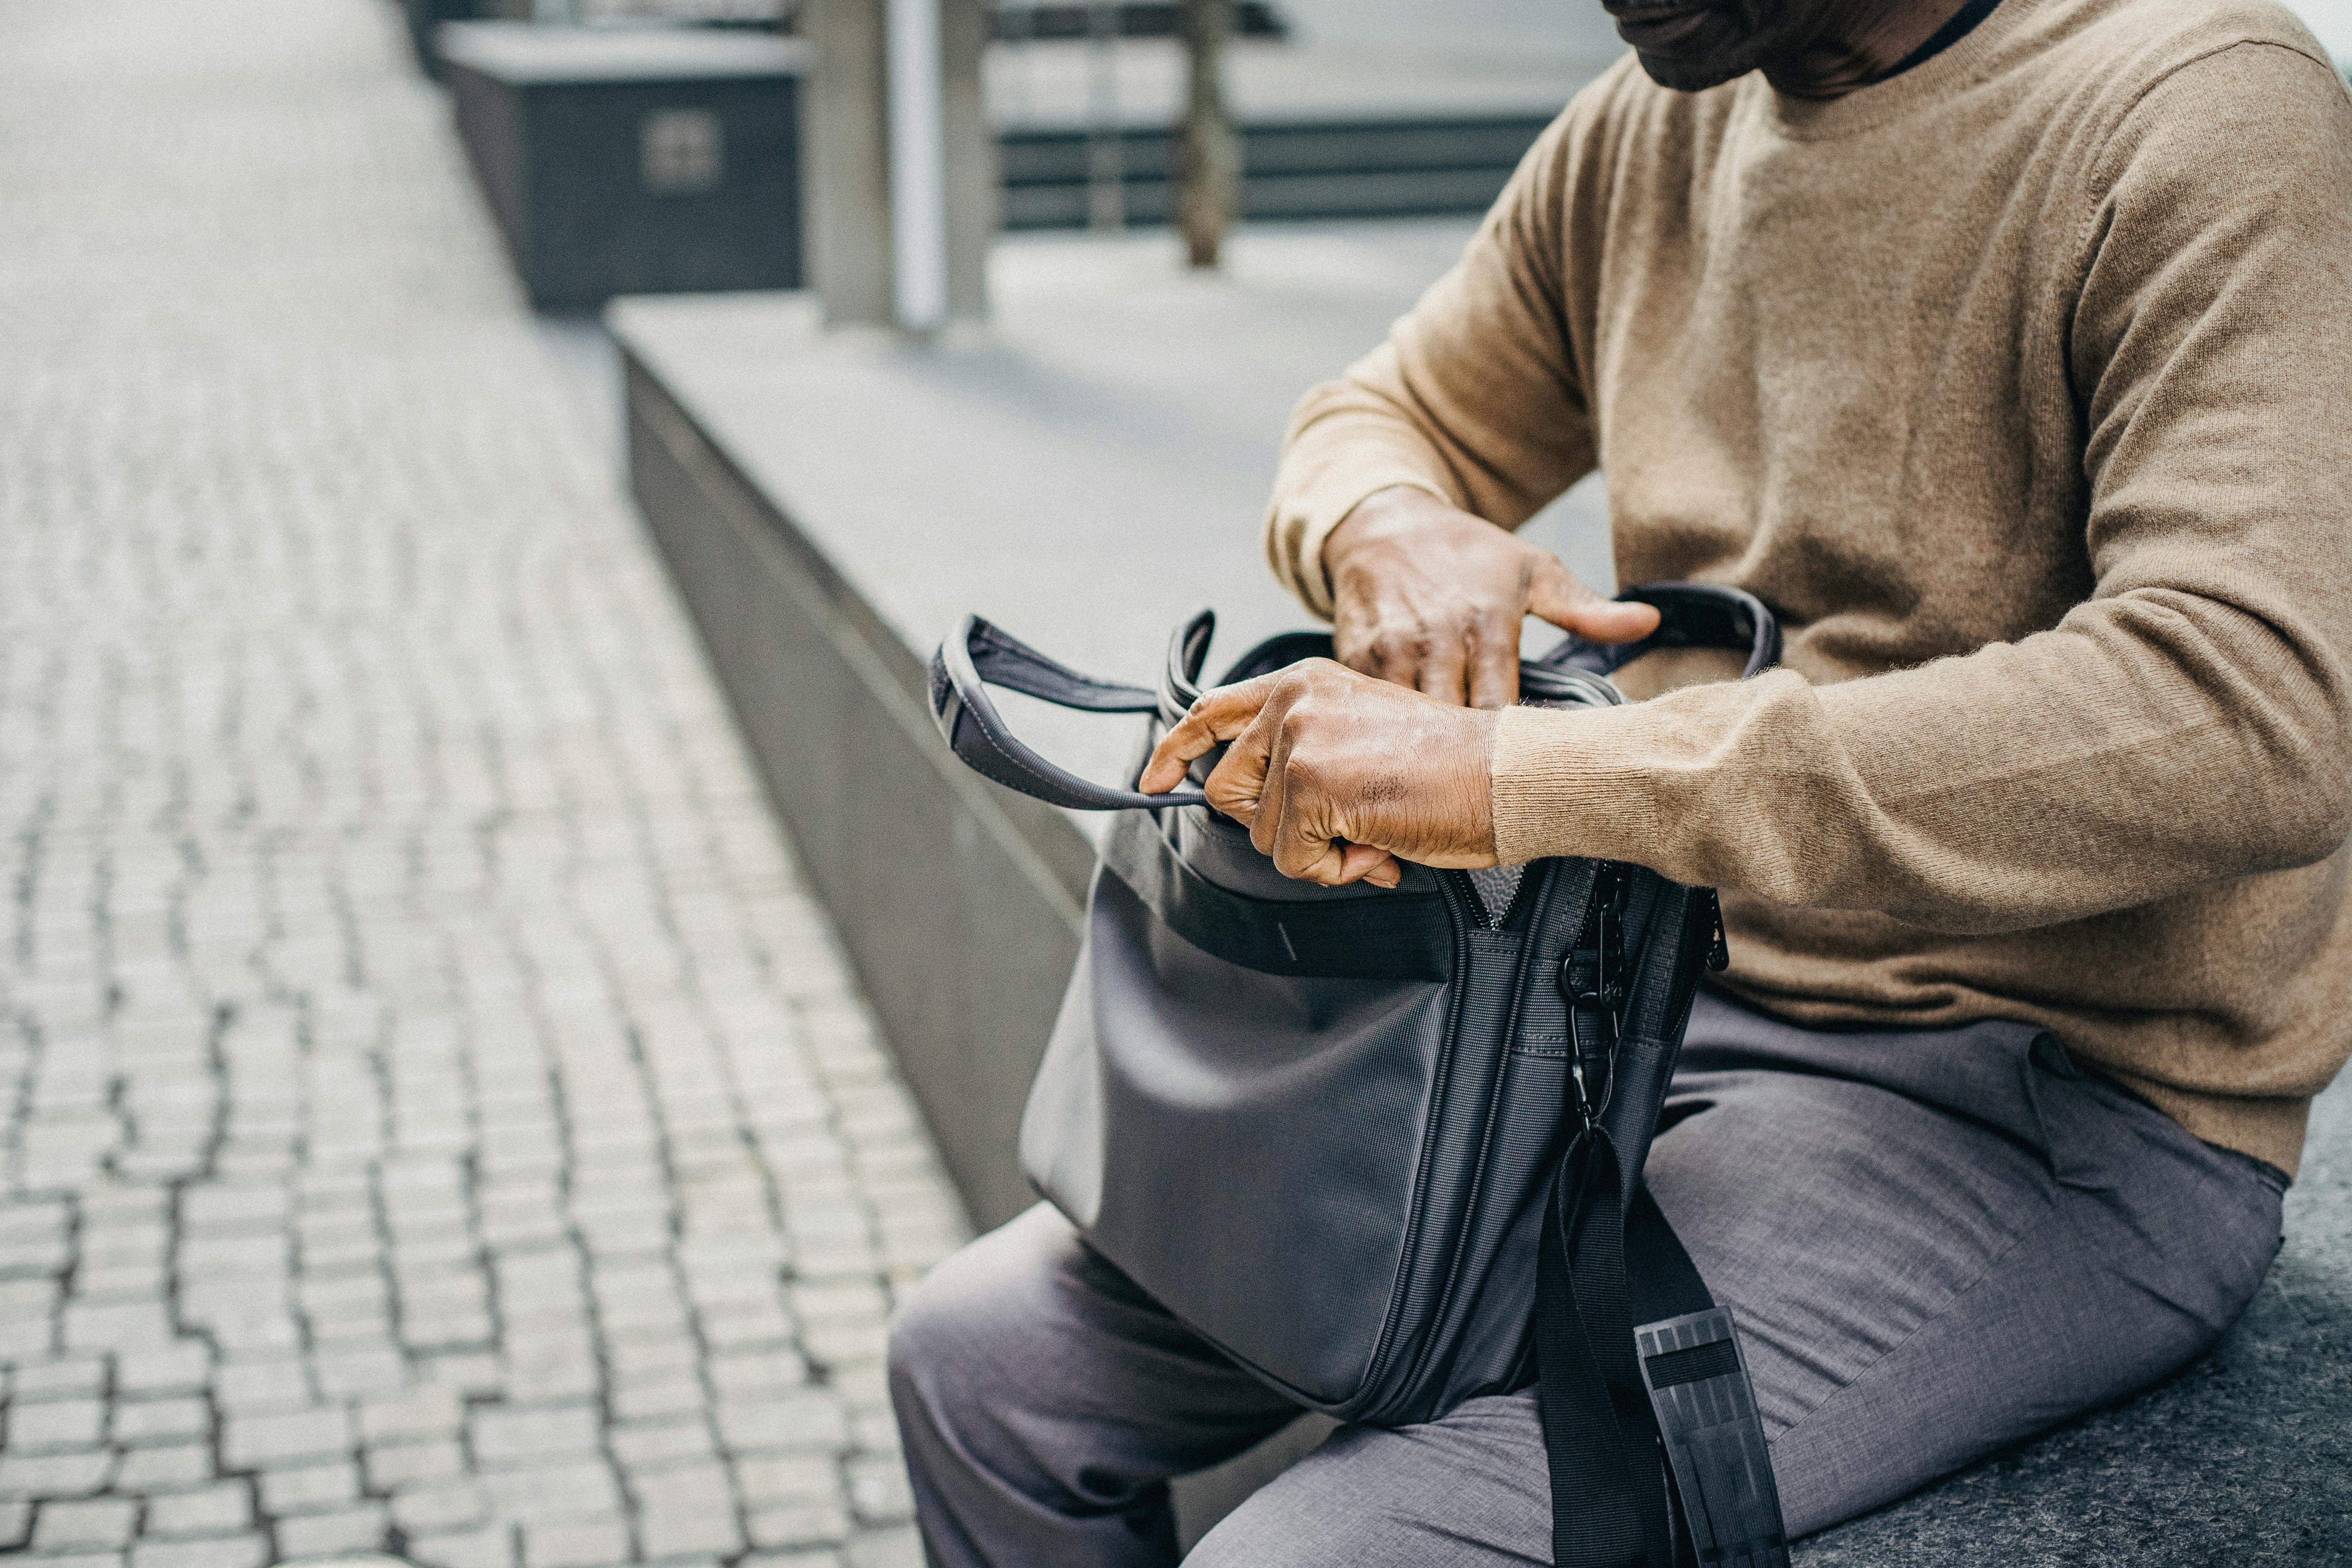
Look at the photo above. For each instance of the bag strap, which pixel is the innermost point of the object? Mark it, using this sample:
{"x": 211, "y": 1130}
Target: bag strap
{"x": 1612, "y": 1395}
{"x": 980, "y": 655}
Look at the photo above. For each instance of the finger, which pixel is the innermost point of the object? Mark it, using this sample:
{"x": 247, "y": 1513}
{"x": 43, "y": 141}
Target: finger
{"x": 1273, "y": 790}
{"x": 1361, "y": 862}
{"x": 1236, "y": 785}
{"x": 1217, "y": 717}
{"x": 1358, "y": 648}
{"x": 1302, "y": 840}
{"x": 1494, "y": 662}
{"x": 1384, "y": 654}
{"x": 1557, "y": 596}
{"x": 1445, "y": 669}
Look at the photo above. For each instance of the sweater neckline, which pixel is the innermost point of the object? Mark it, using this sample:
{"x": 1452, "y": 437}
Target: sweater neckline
{"x": 1868, "y": 107}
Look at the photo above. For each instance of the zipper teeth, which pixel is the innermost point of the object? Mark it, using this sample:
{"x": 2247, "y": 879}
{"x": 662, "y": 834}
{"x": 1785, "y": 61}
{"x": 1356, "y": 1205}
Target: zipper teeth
{"x": 1459, "y": 881}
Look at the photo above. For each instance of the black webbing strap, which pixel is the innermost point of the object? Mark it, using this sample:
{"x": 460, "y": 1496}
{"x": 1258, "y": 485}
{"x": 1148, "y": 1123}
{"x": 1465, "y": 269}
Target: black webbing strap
{"x": 1608, "y": 1488}
{"x": 1622, "y": 1406}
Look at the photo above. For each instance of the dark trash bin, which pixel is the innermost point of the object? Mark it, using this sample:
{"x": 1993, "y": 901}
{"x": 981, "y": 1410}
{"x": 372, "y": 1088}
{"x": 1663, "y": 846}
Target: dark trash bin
{"x": 634, "y": 160}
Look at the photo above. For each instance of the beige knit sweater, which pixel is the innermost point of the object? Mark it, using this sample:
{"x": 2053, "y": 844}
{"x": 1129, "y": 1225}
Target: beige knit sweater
{"x": 2021, "y": 386}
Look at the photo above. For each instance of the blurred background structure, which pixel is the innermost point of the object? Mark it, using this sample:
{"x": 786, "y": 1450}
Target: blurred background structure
{"x": 480, "y": 1058}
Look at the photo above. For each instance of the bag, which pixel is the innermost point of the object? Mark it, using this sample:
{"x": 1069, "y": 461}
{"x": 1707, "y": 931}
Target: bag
{"x": 1383, "y": 1148}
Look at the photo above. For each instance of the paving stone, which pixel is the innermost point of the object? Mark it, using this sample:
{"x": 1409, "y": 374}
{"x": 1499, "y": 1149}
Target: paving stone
{"x": 228, "y": 1551}
{"x": 687, "y": 1509}
{"x": 39, "y": 1426}
{"x": 393, "y": 1465}
{"x": 810, "y": 1420}
{"x": 219, "y": 1510}
{"x": 575, "y": 1542}
{"x": 186, "y": 1366}
{"x": 101, "y": 1523}
{"x": 311, "y": 1486}
{"x": 139, "y": 1421}
{"x": 255, "y": 1387}
{"x": 252, "y": 1441}
{"x": 900, "y": 1548}
{"x": 758, "y": 1374}
{"x": 441, "y": 1507}
{"x": 57, "y": 1377}
{"x": 527, "y": 1437}
{"x": 679, "y": 1395}
{"x": 164, "y": 1467}
{"x": 647, "y": 1445}
{"x": 15, "y": 1524}
{"x": 578, "y": 1490}
{"x": 65, "y": 1474}
{"x": 488, "y": 1547}
{"x": 207, "y": 1206}
{"x": 798, "y": 1524}
{"x": 776, "y": 1478}
{"x": 878, "y": 1489}
{"x": 359, "y": 1529}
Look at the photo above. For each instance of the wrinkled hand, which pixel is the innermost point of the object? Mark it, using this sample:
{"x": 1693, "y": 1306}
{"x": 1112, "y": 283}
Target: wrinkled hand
{"x": 1337, "y": 775}
{"x": 1432, "y": 597}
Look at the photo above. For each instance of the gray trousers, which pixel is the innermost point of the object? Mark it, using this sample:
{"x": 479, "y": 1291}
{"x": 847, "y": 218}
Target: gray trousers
{"x": 1935, "y": 1243}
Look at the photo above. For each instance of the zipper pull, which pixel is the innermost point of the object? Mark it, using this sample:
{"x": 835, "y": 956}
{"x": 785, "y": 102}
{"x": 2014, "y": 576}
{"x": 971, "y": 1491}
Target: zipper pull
{"x": 1718, "y": 948}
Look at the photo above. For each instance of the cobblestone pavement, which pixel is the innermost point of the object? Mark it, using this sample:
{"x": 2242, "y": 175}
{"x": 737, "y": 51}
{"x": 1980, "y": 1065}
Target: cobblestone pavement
{"x": 438, "y": 1118}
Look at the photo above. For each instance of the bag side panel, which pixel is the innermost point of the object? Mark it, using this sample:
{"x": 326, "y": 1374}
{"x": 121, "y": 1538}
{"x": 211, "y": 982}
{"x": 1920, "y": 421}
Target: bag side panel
{"x": 1061, "y": 1144}
{"x": 1243, "y": 1145}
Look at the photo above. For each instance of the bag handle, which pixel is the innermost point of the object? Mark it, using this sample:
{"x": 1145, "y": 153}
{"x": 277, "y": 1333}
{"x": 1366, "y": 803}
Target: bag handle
{"x": 980, "y": 655}
{"x": 1690, "y": 615}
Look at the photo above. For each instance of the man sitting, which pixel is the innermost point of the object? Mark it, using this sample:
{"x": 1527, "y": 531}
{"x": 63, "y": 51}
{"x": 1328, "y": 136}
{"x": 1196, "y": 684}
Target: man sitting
{"x": 1998, "y": 348}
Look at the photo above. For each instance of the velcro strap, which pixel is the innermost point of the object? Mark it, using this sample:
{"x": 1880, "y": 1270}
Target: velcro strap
{"x": 1706, "y": 1407}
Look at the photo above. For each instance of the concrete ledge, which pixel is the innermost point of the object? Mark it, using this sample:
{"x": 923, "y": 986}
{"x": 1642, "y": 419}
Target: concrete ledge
{"x": 959, "y": 900}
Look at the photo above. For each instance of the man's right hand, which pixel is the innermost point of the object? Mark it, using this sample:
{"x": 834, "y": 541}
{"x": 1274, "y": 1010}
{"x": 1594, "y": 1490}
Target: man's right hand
{"x": 1430, "y": 596}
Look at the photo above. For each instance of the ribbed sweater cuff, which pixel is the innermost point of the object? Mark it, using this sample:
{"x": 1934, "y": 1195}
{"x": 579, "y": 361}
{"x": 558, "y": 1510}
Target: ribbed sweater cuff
{"x": 1573, "y": 783}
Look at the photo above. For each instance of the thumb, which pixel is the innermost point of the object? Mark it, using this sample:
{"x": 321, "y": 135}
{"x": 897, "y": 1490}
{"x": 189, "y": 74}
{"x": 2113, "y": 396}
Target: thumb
{"x": 1557, "y": 596}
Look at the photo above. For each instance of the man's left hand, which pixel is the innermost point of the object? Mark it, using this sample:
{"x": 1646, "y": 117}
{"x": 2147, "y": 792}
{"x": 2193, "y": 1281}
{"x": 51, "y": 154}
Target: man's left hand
{"x": 1337, "y": 777}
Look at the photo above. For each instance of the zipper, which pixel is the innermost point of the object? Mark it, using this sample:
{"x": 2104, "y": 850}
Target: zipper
{"x": 1461, "y": 901}
{"x": 1718, "y": 947}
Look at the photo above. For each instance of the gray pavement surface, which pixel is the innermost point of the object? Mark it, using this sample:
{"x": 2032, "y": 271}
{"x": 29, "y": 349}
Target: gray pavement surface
{"x": 434, "y": 1114}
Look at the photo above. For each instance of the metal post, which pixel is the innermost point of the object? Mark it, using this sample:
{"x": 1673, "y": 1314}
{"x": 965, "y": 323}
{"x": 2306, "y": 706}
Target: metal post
{"x": 1210, "y": 153}
{"x": 919, "y": 182}
{"x": 1106, "y": 177}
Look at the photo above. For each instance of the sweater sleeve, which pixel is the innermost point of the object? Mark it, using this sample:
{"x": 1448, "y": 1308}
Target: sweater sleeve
{"x": 1476, "y": 395}
{"x": 2190, "y": 721}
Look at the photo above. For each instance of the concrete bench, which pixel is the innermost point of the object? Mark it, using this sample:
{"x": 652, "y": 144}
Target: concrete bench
{"x": 1087, "y": 473}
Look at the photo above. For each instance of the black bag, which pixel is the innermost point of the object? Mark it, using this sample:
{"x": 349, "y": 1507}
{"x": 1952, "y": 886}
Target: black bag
{"x": 1384, "y": 1147}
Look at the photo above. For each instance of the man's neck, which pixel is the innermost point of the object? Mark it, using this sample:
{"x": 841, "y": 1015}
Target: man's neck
{"x": 1867, "y": 44}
